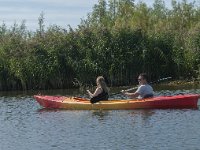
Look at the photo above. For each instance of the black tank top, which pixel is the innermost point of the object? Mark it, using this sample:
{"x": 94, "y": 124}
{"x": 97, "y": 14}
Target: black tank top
{"x": 102, "y": 96}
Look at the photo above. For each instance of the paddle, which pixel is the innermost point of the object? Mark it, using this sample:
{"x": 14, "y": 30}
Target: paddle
{"x": 134, "y": 88}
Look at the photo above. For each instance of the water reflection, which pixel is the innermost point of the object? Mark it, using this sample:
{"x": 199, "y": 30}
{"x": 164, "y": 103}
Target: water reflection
{"x": 144, "y": 114}
{"x": 100, "y": 114}
{"x": 43, "y": 110}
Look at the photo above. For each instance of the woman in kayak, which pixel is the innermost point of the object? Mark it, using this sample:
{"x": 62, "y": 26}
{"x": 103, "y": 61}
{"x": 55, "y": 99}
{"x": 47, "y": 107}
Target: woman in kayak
{"x": 144, "y": 90}
{"x": 101, "y": 92}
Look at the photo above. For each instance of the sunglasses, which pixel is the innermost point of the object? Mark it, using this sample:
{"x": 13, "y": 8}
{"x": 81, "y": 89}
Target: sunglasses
{"x": 139, "y": 79}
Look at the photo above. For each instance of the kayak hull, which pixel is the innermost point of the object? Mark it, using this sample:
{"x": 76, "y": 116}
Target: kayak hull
{"x": 160, "y": 102}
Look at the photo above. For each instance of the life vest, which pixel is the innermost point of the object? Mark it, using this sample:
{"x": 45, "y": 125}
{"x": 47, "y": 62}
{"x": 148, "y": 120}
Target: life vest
{"x": 101, "y": 97}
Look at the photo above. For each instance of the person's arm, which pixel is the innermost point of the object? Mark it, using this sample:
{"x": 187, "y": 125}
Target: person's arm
{"x": 131, "y": 95}
{"x": 135, "y": 94}
{"x": 97, "y": 92}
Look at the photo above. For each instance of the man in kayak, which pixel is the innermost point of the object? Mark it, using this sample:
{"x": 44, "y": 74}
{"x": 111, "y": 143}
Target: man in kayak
{"x": 144, "y": 90}
{"x": 101, "y": 92}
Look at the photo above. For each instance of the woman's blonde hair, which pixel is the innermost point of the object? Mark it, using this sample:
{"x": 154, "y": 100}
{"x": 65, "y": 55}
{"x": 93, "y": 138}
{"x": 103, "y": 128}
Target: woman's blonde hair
{"x": 101, "y": 83}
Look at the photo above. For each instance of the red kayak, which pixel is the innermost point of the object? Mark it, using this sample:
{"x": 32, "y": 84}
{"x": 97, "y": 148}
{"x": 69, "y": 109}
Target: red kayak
{"x": 160, "y": 102}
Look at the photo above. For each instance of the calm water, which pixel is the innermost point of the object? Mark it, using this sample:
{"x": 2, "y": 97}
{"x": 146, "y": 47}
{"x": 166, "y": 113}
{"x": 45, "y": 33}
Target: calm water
{"x": 24, "y": 125}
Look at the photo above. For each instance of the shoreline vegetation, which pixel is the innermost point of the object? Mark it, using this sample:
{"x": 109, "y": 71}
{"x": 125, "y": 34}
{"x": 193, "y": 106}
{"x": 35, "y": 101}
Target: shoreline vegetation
{"x": 119, "y": 40}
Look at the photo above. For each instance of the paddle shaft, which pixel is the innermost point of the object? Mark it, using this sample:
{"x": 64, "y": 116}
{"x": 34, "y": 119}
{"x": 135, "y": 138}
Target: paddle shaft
{"x": 134, "y": 88}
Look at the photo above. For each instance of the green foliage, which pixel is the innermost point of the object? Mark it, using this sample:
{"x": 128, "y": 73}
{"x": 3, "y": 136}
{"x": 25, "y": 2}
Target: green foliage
{"x": 119, "y": 40}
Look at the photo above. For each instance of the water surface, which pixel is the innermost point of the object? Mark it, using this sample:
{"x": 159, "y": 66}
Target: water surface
{"x": 25, "y": 125}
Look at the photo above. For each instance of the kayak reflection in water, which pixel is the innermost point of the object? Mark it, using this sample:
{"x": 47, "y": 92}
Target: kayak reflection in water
{"x": 101, "y": 92}
{"x": 144, "y": 90}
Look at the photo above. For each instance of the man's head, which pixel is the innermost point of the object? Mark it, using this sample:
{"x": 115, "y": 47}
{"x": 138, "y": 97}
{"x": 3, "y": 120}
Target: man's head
{"x": 143, "y": 78}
